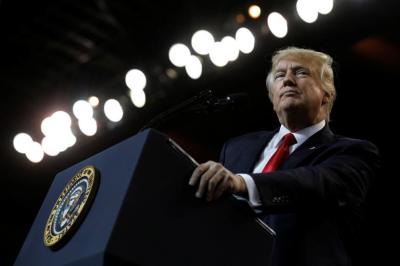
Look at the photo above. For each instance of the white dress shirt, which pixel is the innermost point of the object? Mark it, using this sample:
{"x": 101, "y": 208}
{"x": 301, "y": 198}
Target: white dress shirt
{"x": 301, "y": 136}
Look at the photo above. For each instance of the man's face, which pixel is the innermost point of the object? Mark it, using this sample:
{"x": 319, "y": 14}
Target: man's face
{"x": 297, "y": 90}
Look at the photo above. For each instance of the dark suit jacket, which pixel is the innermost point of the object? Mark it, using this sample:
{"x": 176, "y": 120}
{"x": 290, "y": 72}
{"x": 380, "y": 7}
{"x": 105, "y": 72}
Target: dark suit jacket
{"x": 314, "y": 202}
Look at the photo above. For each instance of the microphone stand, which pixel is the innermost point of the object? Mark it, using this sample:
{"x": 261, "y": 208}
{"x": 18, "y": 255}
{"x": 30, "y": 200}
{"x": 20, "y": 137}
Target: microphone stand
{"x": 169, "y": 113}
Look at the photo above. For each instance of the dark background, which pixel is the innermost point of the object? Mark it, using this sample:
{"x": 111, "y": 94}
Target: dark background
{"x": 53, "y": 53}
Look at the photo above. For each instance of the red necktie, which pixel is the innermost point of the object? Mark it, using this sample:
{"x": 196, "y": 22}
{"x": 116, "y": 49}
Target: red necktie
{"x": 280, "y": 154}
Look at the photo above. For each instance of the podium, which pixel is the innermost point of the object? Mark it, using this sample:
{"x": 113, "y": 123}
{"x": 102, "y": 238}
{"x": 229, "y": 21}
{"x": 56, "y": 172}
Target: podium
{"x": 143, "y": 212}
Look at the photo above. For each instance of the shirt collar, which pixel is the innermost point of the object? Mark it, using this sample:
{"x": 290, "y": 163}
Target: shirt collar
{"x": 301, "y": 135}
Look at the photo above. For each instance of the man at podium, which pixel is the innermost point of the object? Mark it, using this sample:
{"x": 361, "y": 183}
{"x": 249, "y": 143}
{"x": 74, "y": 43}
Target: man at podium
{"x": 305, "y": 182}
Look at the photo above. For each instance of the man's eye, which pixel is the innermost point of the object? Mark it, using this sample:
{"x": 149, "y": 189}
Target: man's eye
{"x": 279, "y": 75}
{"x": 301, "y": 72}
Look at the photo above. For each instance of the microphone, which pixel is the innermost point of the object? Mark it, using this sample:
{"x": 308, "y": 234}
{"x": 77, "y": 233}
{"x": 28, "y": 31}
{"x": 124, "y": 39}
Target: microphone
{"x": 215, "y": 104}
{"x": 204, "y": 102}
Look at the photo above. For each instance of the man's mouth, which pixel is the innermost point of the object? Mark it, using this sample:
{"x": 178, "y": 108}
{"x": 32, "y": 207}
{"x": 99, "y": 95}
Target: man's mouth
{"x": 290, "y": 93}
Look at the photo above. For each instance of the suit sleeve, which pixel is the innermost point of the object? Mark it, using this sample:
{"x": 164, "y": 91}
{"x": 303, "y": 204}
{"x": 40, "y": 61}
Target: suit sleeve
{"x": 339, "y": 176}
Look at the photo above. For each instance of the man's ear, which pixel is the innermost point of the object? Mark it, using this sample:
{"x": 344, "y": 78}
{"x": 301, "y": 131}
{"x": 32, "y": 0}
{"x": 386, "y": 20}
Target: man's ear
{"x": 325, "y": 98}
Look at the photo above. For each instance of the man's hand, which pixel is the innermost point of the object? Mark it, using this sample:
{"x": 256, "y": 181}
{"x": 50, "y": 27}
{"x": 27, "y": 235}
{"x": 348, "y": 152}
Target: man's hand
{"x": 214, "y": 179}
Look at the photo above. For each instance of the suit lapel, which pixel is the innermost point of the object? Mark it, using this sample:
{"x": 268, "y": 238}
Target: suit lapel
{"x": 314, "y": 143}
{"x": 254, "y": 150}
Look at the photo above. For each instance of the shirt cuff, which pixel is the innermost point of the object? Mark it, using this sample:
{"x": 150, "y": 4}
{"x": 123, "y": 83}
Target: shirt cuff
{"x": 254, "y": 196}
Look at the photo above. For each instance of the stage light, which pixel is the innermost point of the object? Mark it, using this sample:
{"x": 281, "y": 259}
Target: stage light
{"x": 194, "y": 67}
{"x": 179, "y": 54}
{"x": 202, "y": 42}
{"x": 61, "y": 119}
{"x": 135, "y": 79}
{"x": 218, "y": 56}
{"x": 231, "y": 48}
{"x": 113, "y": 110}
{"x": 82, "y": 109}
{"x": 70, "y": 139}
{"x": 55, "y": 143}
{"x": 171, "y": 73}
{"x": 21, "y": 142}
{"x": 277, "y": 24}
{"x": 138, "y": 98}
{"x": 254, "y": 11}
{"x": 245, "y": 40}
{"x": 307, "y": 10}
{"x": 325, "y": 6}
{"x": 94, "y": 101}
{"x": 50, "y": 146}
{"x": 58, "y": 123}
{"x": 240, "y": 18}
{"x": 35, "y": 153}
{"x": 46, "y": 126}
{"x": 88, "y": 126}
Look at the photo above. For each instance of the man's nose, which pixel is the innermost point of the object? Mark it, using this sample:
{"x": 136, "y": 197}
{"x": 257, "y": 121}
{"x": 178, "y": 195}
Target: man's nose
{"x": 289, "y": 80}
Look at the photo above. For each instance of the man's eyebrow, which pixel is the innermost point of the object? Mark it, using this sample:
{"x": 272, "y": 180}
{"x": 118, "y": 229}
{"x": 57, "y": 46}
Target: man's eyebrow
{"x": 299, "y": 67}
{"x": 293, "y": 68}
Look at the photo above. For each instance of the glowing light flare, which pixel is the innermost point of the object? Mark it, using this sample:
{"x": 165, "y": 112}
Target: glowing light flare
{"x": 202, "y": 42}
{"x": 324, "y": 7}
{"x": 231, "y": 48}
{"x": 135, "y": 79}
{"x": 194, "y": 67}
{"x": 94, "y": 101}
{"x": 138, "y": 98}
{"x": 50, "y": 146}
{"x": 35, "y": 152}
{"x": 61, "y": 119}
{"x": 277, "y": 24}
{"x": 307, "y": 10}
{"x": 22, "y": 142}
{"x": 88, "y": 126}
{"x": 218, "y": 56}
{"x": 113, "y": 110}
{"x": 245, "y": 39}
{"x": 82, "y": 110}
{"x": 179, "y": 54}
{"x": 254, "y": 11}
{"x": 58, "y": 123}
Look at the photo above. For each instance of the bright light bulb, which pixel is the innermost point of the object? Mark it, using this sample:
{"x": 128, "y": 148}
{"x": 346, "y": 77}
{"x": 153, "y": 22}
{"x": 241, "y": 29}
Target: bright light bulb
{"x": 245, "y": 40}
{"x": 194, "y": 67}
{"x": 21, "y": 142}
{"x": 325, "y": 6}
{"x": 82, "y": 109}
{"x": 202, "y": 42}
{"x": 138, "y": 98}
{"x": 135, "y": 79}
{"x": 35, "y": 152}
{"x": 218, "y": 56}
{"x": 231, "y": 48}
{"x": 277, "y": 24}
{"x": 307, "y": 10}
{"x": 179, "y": 54}
{"x": 94, "y": 101}
{"x": 254, "y": 11}
{"x": 113, "y": 110}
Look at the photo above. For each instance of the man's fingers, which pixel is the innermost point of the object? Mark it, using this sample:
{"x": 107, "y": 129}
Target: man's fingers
{"x": 212, "y": 178}
{"x": 200, "y": 169}
{"x": 204, "y": 180}
{"x": 214, "y": 182}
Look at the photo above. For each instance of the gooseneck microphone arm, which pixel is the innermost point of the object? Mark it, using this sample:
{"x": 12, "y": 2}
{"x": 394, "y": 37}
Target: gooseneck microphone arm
{"x": 169, "y": 113}
{"x": 204, "y": 102}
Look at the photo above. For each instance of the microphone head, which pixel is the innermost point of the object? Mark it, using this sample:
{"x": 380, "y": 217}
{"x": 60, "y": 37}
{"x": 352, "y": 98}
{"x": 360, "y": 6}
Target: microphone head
{"x": 237, "y": 98}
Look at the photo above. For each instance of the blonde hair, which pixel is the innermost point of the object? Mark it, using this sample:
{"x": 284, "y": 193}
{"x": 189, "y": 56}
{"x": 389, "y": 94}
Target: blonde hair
{"x": 322, "y": 60}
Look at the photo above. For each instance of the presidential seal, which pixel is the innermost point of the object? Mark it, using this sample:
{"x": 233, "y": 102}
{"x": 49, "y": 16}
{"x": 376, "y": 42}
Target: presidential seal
{"x": 70, "y": 207}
